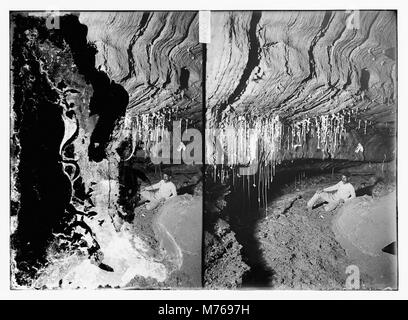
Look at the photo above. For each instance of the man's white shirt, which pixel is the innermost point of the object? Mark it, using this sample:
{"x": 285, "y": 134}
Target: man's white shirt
{"x": 343, "y": 190}
{"x": 166, "y": 189}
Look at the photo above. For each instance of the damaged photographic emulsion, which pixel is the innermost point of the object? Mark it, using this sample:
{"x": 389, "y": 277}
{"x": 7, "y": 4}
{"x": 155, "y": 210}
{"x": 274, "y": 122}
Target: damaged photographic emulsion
{"x": 99, "y": 199}
{"x": 300, "y": 175}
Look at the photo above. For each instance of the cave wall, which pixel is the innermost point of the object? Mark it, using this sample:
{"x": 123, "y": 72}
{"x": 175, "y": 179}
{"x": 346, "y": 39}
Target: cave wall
{"x": 156, "y": 56}
{"x": 302, "y": 66}
{"x": 306, "y": 63}
{"x": 374, "y": 145}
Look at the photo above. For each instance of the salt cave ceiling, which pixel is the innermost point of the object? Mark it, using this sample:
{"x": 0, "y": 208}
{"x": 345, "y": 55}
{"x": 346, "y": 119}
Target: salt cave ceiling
{"x": 303, "y": 64}
{"x": 155, "y": 56}
{"x": 295, "y": 64}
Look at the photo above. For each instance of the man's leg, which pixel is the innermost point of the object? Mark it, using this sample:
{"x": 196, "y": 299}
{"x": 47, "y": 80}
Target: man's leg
{"x": 312, "y": 201}
{"x": 152, "y": 205}
{"x": 147, "y": 195}
{"x": 325, "y": 196}
{"x": 152, "y": 197}
{"x": 330, "y": 199}
{"x": 330, "y": 206}
{"x": 332, "y": 203}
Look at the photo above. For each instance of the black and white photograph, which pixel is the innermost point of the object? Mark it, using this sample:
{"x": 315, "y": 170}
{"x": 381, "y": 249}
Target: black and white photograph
{"x": 203, "y": 152}
{"x": 301, "y": 110}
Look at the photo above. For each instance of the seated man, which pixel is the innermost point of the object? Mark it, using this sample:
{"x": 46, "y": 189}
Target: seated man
{"x": 339, "y": 193}
{"x": 163, "y": 190}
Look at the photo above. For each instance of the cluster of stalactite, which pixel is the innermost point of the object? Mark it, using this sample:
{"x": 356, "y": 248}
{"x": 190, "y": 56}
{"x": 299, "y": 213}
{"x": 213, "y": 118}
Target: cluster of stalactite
{"x": 145, "y": 130}
{"x": 246, "y": 150}
{"x": 329, "y": 130}
{"x": 243, "y": 141}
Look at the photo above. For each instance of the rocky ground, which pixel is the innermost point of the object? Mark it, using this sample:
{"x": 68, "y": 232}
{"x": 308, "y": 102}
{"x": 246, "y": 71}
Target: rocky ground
{"x": 224, "y": 267}
{"x": 299, "y": 247}
{"x": 187, "y": 181}
{"x": 223, "y": 264}
{"x": 133, "y": 249}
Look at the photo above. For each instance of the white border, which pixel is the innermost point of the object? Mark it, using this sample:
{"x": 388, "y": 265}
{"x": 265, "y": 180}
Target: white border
{"x": 401, "y": 6}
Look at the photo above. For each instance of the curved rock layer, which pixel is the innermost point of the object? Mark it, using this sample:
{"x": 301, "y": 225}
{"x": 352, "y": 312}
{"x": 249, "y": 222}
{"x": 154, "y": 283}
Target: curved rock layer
{"x": 300, "y": 64}
{"x": 156, "y": 56}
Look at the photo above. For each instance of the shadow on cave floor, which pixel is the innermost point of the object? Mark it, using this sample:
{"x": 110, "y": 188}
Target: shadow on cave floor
{"x": 244, "y": 213}
{"x": 259, "y": 275}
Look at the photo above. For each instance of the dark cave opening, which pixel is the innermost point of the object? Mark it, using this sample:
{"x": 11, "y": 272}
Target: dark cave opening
{"x": 132, "y": 172}
{"x": 184, "y": 78}
{"x": 243, "y": 211}
{"x": 364, "y": 79}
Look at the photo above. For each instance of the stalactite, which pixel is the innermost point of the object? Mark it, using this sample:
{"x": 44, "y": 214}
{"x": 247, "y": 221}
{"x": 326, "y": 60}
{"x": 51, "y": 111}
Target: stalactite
{"x": 241, "y": 141}
{"x": 146, "y": 129}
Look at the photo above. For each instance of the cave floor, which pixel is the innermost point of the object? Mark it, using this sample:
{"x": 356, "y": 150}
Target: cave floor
{"x": 142, "y": 225}
{"x": 296, "y": 249}
{"x": 131, "y": 249}
{"x": 185, "y": 178}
